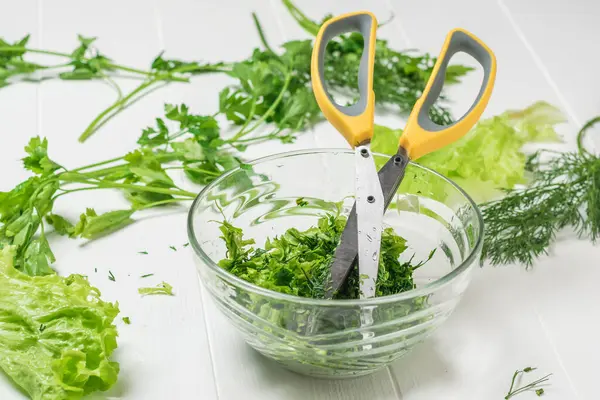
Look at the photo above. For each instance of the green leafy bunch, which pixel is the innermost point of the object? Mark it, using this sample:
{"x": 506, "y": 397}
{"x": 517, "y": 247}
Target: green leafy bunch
{"x": 269, "y": 81}
{"x": 26, "y": 212}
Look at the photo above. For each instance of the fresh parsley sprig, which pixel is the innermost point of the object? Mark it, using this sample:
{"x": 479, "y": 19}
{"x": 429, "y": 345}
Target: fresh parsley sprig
{"x": 86, "y": 62}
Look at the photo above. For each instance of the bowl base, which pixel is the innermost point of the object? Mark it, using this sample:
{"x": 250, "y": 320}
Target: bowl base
{"x": 317, "y": 372}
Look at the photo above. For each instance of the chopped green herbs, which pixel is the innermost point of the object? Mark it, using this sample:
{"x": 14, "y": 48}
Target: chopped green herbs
{"x": 146, "y": 276}
{"x": 173, "y": 248}
{"x": 300, "y": 202}
{"x": 161, "y": 289}
{"x": 186, "y": 244}
{"x": 127, "y": 320}
{"x": 297, "y": 262}
{"x": 111, "y": 276}
{"x": 143, "y": 252}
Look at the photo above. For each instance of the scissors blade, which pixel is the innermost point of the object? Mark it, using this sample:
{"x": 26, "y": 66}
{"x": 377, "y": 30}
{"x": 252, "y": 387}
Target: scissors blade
{"x": 369, "y": 214}
{"x": 346, "y": 254}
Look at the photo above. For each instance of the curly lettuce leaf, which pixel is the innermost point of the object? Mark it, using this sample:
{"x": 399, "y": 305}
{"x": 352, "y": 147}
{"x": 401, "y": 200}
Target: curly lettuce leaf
{"x": 490, "y": 156}
{"x": 56, "y": 334}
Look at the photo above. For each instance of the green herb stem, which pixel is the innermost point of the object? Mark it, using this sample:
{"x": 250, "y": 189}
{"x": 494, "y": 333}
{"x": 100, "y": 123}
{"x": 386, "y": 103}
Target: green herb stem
{"x": 306, "y": 23}
{"x": 582, "y": 133}
{"x": 201, "y": 170}
{"x": 255, "y": 139}
{"x": 248, "y": 120}
{"x": 151, "y": 189}
{"x": 97, "y": 122}
{"x": 269, "y": 112}
{"x": 163, "y": 202}
{"x": 75, "y": 190}
{"x": 98, "y": 164}
{"x": 261, "y": 33}
{"x": 115, "y": 185}
{"x": 129, "y": 69}
{"x": 19, "y": 49}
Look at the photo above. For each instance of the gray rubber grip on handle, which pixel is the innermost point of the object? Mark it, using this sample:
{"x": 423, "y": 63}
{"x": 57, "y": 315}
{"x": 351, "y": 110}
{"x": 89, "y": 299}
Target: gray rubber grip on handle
{"x": 356, "y": 23}
{"x": 460, "y": 42}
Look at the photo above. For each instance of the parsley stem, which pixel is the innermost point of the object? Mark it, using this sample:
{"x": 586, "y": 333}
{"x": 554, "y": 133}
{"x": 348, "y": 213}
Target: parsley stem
{"x": 254, "y": 139}
{"x": 162, "y": 202}
{"x": 129, "y": 69}
{"x": 200, "y": 170}
{"x": 49, "y": 67}
{"x": 248, "y": 120}
{"x": 512, "y": 383}
{"x": 114, "y": 84}
{"x": 271, "y": 109}
{"x": 261, "y": 33}
{"x": 97, "y": 164}
{"x": 19, "y": 49}
{"x": 97, "y": 122}
{"x": 177, "y": 134}
{"x": 75, "y": 190}
{"x": 114, "y": 185}
{"x": 189, "y": 195}
{"x": 306, "y": 23}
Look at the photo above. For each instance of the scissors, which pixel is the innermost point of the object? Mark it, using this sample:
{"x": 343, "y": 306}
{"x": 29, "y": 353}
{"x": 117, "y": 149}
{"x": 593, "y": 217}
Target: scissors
{"x": 374, "y": 190}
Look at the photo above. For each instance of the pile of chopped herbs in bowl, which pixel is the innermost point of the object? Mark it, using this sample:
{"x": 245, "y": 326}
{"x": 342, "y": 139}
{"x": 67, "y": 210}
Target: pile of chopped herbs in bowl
{"x": 298, "y": 262}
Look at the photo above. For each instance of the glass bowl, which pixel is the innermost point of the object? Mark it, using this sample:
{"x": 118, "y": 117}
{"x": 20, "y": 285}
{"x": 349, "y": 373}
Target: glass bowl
{"x": 326, "y": 338}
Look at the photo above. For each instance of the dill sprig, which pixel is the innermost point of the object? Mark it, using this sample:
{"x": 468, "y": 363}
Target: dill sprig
{"x": 535, "y": 385}
{"x": 564, "y": 192}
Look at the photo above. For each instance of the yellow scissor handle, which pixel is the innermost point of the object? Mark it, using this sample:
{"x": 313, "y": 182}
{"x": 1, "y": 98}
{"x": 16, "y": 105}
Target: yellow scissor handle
{"x": 354, "y": 122}
{"x": 421, "y": 135}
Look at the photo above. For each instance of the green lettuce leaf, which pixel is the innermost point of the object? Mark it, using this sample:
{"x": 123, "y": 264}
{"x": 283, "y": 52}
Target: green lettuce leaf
{"x": 490, "y": 156}
{"x": 56, "y": 334}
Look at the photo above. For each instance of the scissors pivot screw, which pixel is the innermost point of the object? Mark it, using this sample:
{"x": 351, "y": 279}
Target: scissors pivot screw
{"x": 398, "y": 160}
{"x": 371, "y": 199}
{"x": 364, "y": 153}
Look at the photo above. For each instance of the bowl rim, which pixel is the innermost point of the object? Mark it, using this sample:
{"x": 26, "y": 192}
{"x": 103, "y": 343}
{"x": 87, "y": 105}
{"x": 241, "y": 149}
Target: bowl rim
{"x": 418, "y": 292}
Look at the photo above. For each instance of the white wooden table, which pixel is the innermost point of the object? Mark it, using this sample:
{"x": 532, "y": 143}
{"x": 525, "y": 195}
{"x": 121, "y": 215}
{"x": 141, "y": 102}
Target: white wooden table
{"x": 181, "y": 347}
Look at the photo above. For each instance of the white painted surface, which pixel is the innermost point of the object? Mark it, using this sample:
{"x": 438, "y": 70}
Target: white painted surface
{"x": 180, "y": 347}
